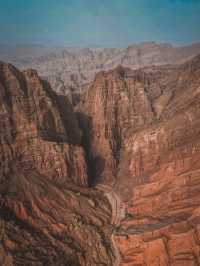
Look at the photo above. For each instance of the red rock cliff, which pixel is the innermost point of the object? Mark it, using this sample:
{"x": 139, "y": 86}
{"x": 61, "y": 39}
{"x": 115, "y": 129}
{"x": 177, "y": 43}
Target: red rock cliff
{"x": 48, "y": 216}
{"x": 139, "y": 148}
{"x": 145, "y": 128}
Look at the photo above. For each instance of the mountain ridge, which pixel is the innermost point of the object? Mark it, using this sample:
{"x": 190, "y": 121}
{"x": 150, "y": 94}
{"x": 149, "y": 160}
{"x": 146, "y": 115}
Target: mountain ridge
{"x": 69, "y": 70}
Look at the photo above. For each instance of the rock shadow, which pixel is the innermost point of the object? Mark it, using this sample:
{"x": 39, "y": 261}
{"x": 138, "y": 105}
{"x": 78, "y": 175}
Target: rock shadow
{"x": 95, "y": 163}
{"x": 68, "y": 118}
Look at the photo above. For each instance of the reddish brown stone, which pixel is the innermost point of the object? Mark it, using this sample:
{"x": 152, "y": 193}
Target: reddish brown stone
{"x": 139, "y": 147}
{"x": 145, "y": 126}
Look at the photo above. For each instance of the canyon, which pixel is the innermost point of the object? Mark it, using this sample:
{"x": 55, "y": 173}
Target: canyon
{"x": 111, "y": 180}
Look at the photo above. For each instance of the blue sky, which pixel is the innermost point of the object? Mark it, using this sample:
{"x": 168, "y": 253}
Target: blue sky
{"x": 99, "y": 22}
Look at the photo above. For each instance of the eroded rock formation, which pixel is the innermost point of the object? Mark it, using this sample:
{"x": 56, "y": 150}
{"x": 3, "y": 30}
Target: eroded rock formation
{"x": 69, "y": 69}
{"x": 47, "y": 213}
{"x": 116, "y": 183}
{"x": 145, "y": 127}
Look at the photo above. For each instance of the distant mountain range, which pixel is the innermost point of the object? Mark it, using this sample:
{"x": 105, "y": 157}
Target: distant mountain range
{"x": 69, "y": 69}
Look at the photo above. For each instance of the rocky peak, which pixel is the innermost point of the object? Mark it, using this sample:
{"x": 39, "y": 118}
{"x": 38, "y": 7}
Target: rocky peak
{"x": 33, "y": 124}
{"x": 116, "y": 102}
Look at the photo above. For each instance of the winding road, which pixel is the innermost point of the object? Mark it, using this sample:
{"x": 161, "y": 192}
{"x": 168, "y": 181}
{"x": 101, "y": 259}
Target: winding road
{"x": 118, "y": 213}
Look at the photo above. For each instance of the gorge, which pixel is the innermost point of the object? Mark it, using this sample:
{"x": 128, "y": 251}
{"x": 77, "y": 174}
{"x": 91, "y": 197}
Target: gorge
{"x": 113, "y": 179}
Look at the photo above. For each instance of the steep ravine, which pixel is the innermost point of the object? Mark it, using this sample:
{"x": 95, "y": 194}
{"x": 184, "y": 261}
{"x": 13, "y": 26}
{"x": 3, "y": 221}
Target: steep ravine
{"x": 48, "y": 215}
{"x": 118, "y": 214}
{"x": 115, "y": 182}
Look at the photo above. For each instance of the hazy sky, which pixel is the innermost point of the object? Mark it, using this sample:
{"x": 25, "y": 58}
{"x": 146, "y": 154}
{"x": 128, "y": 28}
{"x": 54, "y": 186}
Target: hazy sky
{"x": 99, "y": 22}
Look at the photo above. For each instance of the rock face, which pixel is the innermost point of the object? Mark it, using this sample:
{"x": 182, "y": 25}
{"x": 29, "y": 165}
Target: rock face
{"x": 116, "y": 182}
{"x": 35, "y": 130}
{"x": 145, "y": 141}
{"x": 47, "y": 213}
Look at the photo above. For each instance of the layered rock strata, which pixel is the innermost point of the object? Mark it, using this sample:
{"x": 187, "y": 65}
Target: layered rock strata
{"x": 145, "y": 142}
{"x": 47, "y": 213}
{"x": 116, "y": 183}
